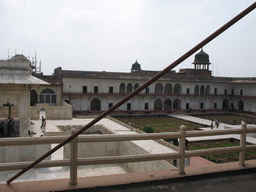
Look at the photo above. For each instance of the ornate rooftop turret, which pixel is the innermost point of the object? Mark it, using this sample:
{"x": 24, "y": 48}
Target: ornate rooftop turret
{"x": 136, "y": 66}
{"x": 201, "y": 61}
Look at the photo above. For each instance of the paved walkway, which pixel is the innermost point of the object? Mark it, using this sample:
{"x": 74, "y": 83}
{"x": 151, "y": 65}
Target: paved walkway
{"x": 198, "y": 120}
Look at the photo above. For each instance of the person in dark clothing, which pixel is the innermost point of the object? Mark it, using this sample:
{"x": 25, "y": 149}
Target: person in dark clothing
{"x": 9, "y": 128}
{"x": 12, "y": 128}
{"x": 212, "y": 125}
{"x": 43, "y": 124}
{"x": 2, "y": 129}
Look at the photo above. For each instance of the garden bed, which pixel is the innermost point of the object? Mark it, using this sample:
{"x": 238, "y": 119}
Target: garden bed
{"x": 221, "y": 157}
{"x": 159, "y": 123}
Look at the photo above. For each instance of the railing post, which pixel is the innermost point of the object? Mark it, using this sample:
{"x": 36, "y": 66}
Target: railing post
{"x": 242, "y": 144}
{"x": 73, "y": 159}
{"x": 182, "y": 144}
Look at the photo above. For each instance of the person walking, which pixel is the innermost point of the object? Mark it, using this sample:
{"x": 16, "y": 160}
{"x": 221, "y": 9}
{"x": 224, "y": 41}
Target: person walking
{"x": 212, "y": 124}
{"x": 43, "y": 124}
{"x": 217, "y": 123}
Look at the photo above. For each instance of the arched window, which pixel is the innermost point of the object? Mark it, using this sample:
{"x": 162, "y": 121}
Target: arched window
{"x": 202, "y": 90}
{"x": 196, "y": 90}
{"x": 177, "y": 89}
{"x": 95, "y": 104}
{"x": 129, "y": 88}
{"x": 136, "y": 86}
{"x": 167, "y": 104}
{"x": 122, "y": 88}
{"x": 225, "y": 104}
{"x": 48, "y": 96}
{"x": 176, "y": 104}
{"x": 168, "y": 89}
{"x": 240, "y": 105}
{"x": 158, "y": 104}
{"x": 207, "y": 90}
{"x": 159, "y": 88}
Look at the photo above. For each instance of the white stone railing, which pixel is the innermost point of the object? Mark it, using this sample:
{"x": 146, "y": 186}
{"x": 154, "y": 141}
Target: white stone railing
{"x": 73, "y": 162}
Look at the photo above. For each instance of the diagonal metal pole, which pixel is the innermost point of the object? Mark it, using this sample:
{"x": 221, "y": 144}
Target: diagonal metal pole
{"x": 138, "y": 90}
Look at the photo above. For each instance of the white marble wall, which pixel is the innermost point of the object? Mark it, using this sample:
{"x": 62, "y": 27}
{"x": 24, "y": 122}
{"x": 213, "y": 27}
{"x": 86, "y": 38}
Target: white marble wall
{"x": 118, "y": 149}
{"x": 23, "y": 153}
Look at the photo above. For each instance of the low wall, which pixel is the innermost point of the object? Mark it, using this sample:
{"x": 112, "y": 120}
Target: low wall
{"x": 52, "y": 112}
{"x": 93, "y": 149}
{"x": 129, "y": 148}
{"x": 23, "y": 153}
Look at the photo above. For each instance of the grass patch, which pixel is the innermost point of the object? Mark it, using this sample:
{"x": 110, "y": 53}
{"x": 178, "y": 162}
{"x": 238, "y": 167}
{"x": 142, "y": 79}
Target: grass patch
{"x": 159, "y": 123}
{"x": 221, "y": 157}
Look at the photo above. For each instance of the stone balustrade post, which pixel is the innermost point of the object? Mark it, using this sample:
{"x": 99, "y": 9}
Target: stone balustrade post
{"x": 242, "y": 144}
{"x": 73, "y": 159}
{"x": 182, "y": 144}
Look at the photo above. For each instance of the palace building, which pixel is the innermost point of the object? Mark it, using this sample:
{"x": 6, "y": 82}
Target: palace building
{"x": 25, "y": 92}
{"x": 189, "y": 89}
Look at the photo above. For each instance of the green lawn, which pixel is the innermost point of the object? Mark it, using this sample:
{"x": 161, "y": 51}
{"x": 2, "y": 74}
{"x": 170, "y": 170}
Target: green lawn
{"x": 159, "y": 123}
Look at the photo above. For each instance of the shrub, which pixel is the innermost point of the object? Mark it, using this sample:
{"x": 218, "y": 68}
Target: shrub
{"x": 148, "y": 129}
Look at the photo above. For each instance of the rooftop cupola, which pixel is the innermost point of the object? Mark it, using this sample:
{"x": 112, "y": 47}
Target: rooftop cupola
{"x": 136, "y": 66}
{"x": 202, "y": 60}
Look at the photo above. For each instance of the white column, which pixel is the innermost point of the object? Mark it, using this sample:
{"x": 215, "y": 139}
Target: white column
{"x": 23, "y": 111}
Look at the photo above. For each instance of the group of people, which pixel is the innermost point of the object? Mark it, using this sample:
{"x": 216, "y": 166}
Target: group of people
{"x": 217, "y": 123}
{"x": 10, "y": 128}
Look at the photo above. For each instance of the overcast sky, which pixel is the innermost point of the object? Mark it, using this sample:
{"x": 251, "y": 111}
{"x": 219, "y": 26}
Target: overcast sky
{"x": 102, "y": 35}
